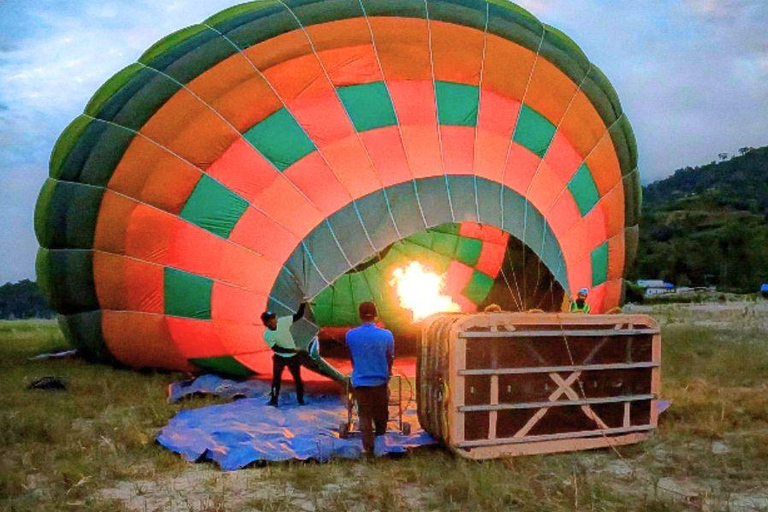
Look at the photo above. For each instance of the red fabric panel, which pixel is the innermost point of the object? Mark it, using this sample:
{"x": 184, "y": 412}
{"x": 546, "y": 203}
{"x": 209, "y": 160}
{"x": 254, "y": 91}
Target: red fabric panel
{"x": 545, "y": 188}
{"x": 416, "y": 110}
{"x": 260, "y": 233}
{"x": 229, "y": 303}
{"x": 456, "y": 278}
{"x": 520, "y": 168}
{"x": 284, "y": 203}
{"x": 491, "y": 259}
{"x": 243, "y": 170}
{"x": 195, "y": 338}
{"x": 594, "y": 227}
{"x": 596, "y": 298}
{"x": 318, "y": 182}
{"x": 612, "y": 297}
{"x": 563, "y": 214}
{"x": 142, "y": 340}
{"x": 261, "y": 363}
{"x": 495, "y": 123}
{"x": 458, "y": 149}
{"x": 562, "y": 157}
{"x": 385, "y": 148}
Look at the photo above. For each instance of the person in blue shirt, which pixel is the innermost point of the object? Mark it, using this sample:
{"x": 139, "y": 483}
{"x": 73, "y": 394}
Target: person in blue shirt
{"x": 372, "y": 351}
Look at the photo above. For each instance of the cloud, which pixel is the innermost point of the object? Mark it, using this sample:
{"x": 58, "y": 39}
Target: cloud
{"x": 691, "y": 76}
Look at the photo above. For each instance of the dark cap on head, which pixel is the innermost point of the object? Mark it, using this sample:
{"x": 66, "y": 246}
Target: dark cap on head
{"x": 267, "y": 315}
{"x": 367, "y": 310}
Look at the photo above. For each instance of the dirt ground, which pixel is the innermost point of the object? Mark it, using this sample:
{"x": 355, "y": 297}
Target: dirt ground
{"x": 92, "y": 447}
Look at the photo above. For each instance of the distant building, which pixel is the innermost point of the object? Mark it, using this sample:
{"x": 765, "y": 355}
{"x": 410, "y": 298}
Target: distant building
{"x": 653, "y": 287}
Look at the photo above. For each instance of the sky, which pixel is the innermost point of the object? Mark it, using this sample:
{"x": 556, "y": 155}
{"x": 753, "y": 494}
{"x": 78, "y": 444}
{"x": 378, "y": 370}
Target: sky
{"x": 692, "y": 76}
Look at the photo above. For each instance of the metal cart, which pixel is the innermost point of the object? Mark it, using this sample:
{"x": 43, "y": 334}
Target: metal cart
{"x": 395, "y": 405}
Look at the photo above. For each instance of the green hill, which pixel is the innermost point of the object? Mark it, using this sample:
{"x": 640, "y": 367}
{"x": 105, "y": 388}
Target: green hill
{"x": 708, "y": 225}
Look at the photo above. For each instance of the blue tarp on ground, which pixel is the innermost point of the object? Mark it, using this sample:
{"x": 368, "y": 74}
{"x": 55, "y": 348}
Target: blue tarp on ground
{"x": 248, "y": 430}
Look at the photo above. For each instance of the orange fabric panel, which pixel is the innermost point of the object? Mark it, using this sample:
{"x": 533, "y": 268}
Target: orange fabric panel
{"x": 142, "y": 340}
{"x": 612, "y": 296}
{"x": 457, "y": 52}
{"x": 550, "y": 92}
{"x": 229, "y": 303}
{"x": 458, "y": 149}
{"x": 126, "y": 284}
{"x": 289, "y": 207}
{"x": 562, "y": 157}
{"x": 261, "y": 234}
{"x": 318, "y": 182}
{"x": 520, "y": 169}
{"x": 231, "y": 84}
{"x": 582, "y": 125}
{"x": 456, "y": 279}
{"x": 148, "y": 234}
{"x": 351, "y": 65}
{"x": 604, "y": 166}
{"x": 579, "y": 271}
{"x": 507, "y": 67}
{"x": 595, "y": 228}
{"x": 385, "y": 147}
{"x": 613, "y": 206}
{"x": 491, "y": 155}
{"x": 190, "y": 129}
{"x": 115, "y": 214}
{"x": 340, "y": 34}
{"x": 278, "y": 49}
{"x": 243, "y": 170}
{"x": 545, "y": 188}
{"x": 153, "y": 175}
{"x": 616, "y": 253}
{"x": 403, "y": 47}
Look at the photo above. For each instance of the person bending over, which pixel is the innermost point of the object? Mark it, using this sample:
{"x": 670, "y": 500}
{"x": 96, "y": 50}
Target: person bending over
{"x": 278, "y": 337}
{"x": 372, "y": 351}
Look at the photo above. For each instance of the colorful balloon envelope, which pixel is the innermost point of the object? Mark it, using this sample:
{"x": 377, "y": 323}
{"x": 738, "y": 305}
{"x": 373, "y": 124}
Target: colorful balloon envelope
{"x": 282, "y": 151}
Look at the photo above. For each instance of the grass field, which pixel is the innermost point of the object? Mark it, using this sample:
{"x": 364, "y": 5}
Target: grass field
{"x": 92, "y": 447}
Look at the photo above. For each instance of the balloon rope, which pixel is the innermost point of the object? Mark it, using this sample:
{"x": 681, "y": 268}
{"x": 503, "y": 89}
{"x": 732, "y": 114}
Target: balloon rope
{"x": 437, "y": 110}
{"x": 479, "y": 104}
{"x": 357, "y": 134}
{"x": 394, "y": 110}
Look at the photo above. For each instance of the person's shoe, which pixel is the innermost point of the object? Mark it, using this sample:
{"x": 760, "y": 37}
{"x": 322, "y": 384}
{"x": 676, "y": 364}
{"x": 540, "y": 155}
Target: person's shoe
{"x": 273, "y": 401}
{"x": 301, "y": 401}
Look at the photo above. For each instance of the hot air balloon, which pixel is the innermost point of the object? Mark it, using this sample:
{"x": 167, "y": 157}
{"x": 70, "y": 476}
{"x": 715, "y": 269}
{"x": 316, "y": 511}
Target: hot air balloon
{"x": 289, "y": 150}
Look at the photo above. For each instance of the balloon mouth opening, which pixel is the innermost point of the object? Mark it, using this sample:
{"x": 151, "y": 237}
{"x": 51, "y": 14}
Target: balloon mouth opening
{"x": 415, "y": 288}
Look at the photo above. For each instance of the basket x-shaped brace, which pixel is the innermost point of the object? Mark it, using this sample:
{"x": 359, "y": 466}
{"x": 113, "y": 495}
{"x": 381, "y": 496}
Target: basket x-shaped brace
{"x": 565, "y": 387}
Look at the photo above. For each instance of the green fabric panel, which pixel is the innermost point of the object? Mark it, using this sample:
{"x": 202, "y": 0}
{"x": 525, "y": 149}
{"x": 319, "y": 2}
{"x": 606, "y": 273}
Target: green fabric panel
{"x": 478, "y": 287}
{"x": 584, "y": 190}
{"x": 560, "y": 50}
{"x": 468, "y": 13}
{"x": 186, "y": 294}
{"x": 534, "y": 131}
{"x": 172, "y": 42}
{"x": 443, "y": 243}
{"x": 631, "y": 243}
{"x": 280, "y": 139}
{"x": 66, "y": 214}
{"x": 456, "y": 103}
{"x": 237, "y": 15}
{"x": 66, "y": 142}
{"x": 104, "y": 154}
{"x": 225, "y": 365}
{"x": 633, "y": 198}
{"x": 600, "y": 264}
{"x": 112, "y": 86}
{"x": 468, "y": 250}
{"x": 368, "y": 105}
{"x": 66, "y": 278}
{"x": 213, "y": 207}
{"x": 83, "y": 331}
